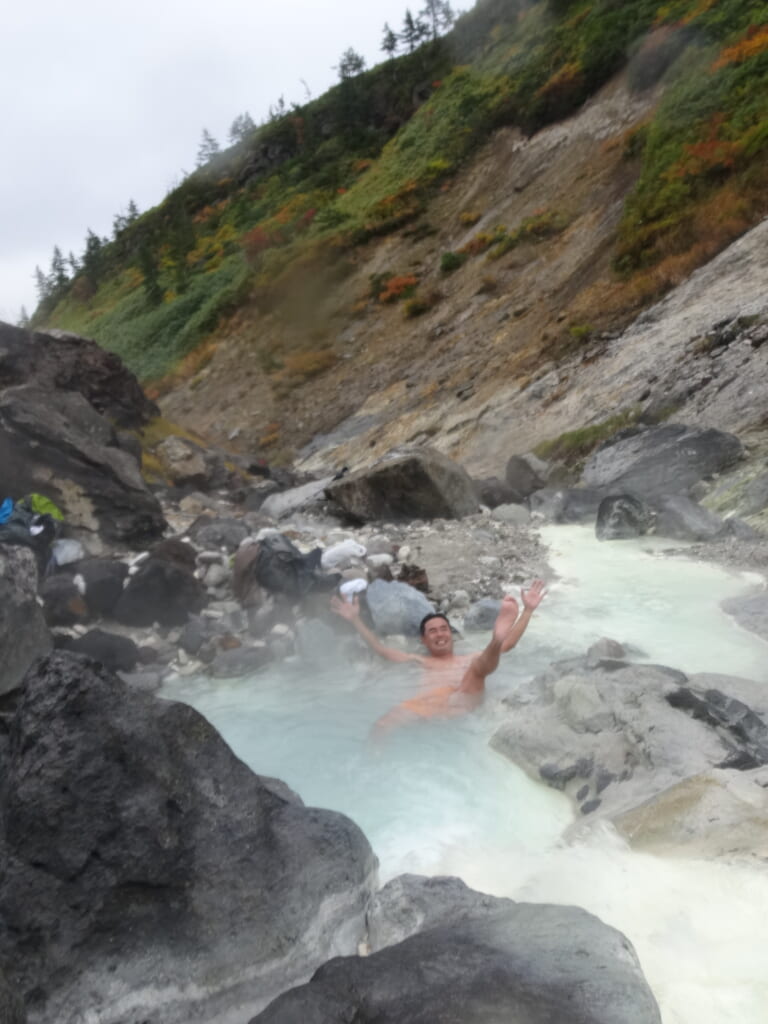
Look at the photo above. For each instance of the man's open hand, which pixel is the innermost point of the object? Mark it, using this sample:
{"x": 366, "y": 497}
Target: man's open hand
{"x": 532, "y": 597}
{"x": 349, "y": 610}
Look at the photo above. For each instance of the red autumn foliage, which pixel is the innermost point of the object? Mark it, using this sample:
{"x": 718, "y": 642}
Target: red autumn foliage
{"x": 398, "y": 288}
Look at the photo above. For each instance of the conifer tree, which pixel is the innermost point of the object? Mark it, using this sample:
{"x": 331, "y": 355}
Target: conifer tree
{"x": 23, "y": 320}
{"x": 58, "y": 277}
{"x": 207, "y": 149}
{"x": 389, "y": 42}
{"x": 350, "y": 64}
{"x": 119, "y": 224}
{"x": 447, "y": 16}
{"x": 147, "y": 263}
{"x": 42, "y": 285}
{"x": 414, "y": 30}
{"x": 93, "y": 259}
{"x": 277, "y": 111}
{"x": 241, "y": 128}
{"x": 133, "y": 212}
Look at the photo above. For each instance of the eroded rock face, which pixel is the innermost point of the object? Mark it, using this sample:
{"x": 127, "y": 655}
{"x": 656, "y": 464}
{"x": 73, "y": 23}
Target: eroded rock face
{"x": 613, "y": 735}
{"x": 477, "y": 958}
{"x": 146, "y": 873}
{"x": 421, "y": 484}
{"x": 24, "y": 635}
{"x": 56, "y": 443}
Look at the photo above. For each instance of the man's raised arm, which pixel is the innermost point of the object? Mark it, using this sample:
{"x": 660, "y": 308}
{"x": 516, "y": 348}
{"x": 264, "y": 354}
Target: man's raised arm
{"x": 350, "y": 610}
{"x": 531, "y": 599}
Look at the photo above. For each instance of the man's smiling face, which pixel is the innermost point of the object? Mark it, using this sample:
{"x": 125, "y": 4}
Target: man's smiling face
{"x": 437, "y": 637}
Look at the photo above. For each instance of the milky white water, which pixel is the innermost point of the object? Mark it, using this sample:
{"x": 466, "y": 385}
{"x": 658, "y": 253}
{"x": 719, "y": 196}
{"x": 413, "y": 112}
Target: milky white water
{"x": 434, "y": 799}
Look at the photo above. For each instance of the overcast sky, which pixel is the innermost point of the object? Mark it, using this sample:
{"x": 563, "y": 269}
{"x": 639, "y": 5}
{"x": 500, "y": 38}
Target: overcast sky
{"x": 105, "y": 102}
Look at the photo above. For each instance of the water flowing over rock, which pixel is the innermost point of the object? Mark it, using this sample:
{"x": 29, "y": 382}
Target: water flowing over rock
{"x": 476, "y": 958}
{"x": 146, "y": 873}
{"x": 420, "y": 484}
{"x": 24, "y": 635}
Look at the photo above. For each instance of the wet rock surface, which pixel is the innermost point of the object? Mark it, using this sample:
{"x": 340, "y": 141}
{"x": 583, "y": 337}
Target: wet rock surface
{"x": 614, "y": 734}
{"x": 140, "y": 857}
{"x": 482, "y": 959}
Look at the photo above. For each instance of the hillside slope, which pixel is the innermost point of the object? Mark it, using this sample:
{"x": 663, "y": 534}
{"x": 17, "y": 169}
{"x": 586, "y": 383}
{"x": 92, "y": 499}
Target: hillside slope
{"x": 472, "y": 221}
{"x": 494, "y": 321}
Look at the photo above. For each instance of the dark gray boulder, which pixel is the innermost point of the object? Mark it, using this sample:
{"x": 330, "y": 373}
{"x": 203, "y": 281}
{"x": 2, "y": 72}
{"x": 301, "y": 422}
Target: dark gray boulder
{"x": 493, "y": 492}
{"x": 482, "y": 614}
{"x": 212, "y": 532}
{"x": 413, "y": 903}
{"x": 61, "y": 361}
{"x": 654, "y": 461}
{"x": 396, "y": 607}
{"x": 115, "y": 652}
{"x": 59, "y": 438}
{"x": 24, "y": 635}
{"x": 160, "y": 591}
{"x": 683, "y": 519}
{"x": 566, "y": 504}
{"x": 63, "y": 601}
{"x": 146, "y": 874}
{"x": 11, "y": 1006}
{"x": 484, "y": 960}
{"x": 103, "y": 580}
{"x": 418, "y": 484}
{"x": 522, "y": 478}
{"x": 621, "y": 516}
{"x": 189, "y": 465}
{"x": 239, "y": 661}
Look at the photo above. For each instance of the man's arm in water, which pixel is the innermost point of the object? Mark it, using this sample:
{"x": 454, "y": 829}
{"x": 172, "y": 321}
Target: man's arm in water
{"x": 508, "y": 629}
{"x": 350, "y": 610}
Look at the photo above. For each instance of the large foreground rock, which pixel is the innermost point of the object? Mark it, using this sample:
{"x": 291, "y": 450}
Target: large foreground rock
{"x": 614, "y": 735}
{"x": 63, "y": 361}
{"x": 476, "y": 959}
{"x": 56, "y": 443}
{"x": 24, "y": 635}
{"x": 146, "y": 874}
{"x": 420, "y": 484}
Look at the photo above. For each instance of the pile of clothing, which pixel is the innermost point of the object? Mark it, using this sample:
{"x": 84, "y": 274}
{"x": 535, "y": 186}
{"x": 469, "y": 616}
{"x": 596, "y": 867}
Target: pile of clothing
{"x": 34, "y": 523}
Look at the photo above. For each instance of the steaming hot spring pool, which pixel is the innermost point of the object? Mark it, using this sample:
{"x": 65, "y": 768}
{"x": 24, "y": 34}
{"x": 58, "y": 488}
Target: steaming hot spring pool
{"x": 433, "y": 798}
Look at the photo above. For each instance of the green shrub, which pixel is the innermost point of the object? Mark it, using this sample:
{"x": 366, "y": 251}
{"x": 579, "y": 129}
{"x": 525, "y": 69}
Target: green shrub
{"x": 451, "y": 261}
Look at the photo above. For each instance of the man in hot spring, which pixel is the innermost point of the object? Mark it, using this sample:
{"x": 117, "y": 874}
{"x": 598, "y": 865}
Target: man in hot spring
{"x": 456, "y": 682}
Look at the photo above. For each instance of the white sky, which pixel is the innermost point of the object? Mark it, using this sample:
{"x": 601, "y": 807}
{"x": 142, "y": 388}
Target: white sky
{"x": 103, "y": 103}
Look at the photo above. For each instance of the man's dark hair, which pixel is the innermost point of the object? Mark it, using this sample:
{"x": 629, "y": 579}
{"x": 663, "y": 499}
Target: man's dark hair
{"x": 427, "y": 617}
